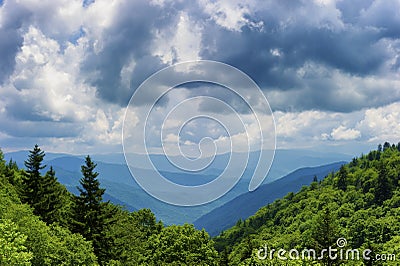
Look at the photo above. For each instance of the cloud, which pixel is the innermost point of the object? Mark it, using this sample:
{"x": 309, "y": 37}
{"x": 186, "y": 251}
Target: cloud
{"x": 231, "y": 15}
{"x": 333, "y": 90}
{"x": 382, "y": 124}
{"x": 45, "y": 84}
{"x": 183, "y": 44}
{"x": 125, "y": 40}
{"x": 69, "y": 68}
{"x": 46, "y": 99}
{"x": 324, "y": 41}
{"x": 343, "y": 133}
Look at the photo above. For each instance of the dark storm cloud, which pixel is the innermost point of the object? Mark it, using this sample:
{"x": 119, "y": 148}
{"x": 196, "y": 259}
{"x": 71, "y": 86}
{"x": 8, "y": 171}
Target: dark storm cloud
{"x": 129, "y": 38}
{"x": 10, "y": 39}
{"x": 352, "y": 50}
{"x": 225, "y": 95}
{"x": 351, "y": 37}
{"x": 355, "y": 46}
{"x": 39, "y": 129}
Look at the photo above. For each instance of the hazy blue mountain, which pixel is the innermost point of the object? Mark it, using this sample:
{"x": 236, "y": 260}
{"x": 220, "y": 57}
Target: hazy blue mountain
{"x": 285, "y": 161}
{"x": 122, "y": 189}
{"x": 247, "y": 204}
{"x": 20, "y": 156}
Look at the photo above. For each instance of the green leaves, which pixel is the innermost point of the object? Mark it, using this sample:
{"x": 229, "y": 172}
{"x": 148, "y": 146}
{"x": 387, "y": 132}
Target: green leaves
{"x": 360, "y": 202}
{"x": 36, "y": 242}
{"x": 12, "y": 245}
{"x": 181, "y": 245}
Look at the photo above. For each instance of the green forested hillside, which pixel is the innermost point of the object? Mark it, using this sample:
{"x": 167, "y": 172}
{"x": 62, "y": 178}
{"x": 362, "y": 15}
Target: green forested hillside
{"x": 41, "y": 223}
{"x": 359, "y": 205}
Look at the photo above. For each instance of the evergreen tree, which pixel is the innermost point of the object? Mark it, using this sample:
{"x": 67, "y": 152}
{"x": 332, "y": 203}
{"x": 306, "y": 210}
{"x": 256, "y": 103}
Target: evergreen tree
{"x": 44, "y": 193}
{"x": 342, "y": 179}
{"x": 383, "y": 189}
{"x": 380, "y": 148}
{"x": 31, "y": 181}
{"x": 14, "y": 176}
{"x": 54, "y": 203}
{"x": 91, "y": 214}
{"x": 386, "y": 146}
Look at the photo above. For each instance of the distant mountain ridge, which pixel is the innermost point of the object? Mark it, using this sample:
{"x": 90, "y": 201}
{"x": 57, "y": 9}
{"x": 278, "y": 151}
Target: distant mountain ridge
{"x": 122, "y": 189}
{"x": 247, "y": 204}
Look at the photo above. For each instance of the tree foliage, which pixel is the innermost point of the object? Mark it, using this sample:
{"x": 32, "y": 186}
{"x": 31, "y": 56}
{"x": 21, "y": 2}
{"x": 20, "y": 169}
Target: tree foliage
{"x": 361, "y": 203}
{"x": 12, "y": 245}
{"x": 91, "y": 213}
{"x": 49, "y": 199}
{"x": 41, "y": 223}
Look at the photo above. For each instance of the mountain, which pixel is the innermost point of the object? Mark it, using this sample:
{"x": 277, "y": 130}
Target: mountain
{"x": 248, "y": 203}
{"x": 122, "y": 189}
{"x": 355, "y": 209}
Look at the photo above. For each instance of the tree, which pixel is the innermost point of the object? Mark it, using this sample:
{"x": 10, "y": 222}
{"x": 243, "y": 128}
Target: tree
{"x": 380, "y": 148}
{"x": 325, "y": 232}
{"x": 12, "y": 245}
{"x": 342, "y": 179}
{"x": 45, "y": 194}
{"x": 386, "y": 146}
{"x": 181, "y": 245}
{"x": 224, "y": 257}
{"x": 54, "y": 200}
{"x": 130, "y": 235}
{"x": 31, "y": 181}
{"x": 71, "y": 249}
{"x": 13, "y": 175}
{"x": 383, "y": 189}
{"x": 2, "y": 163}
{"x": 92, "y": 216}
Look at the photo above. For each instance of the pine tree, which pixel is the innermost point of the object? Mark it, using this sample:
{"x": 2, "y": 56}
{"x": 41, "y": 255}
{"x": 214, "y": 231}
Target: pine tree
{"x": 31, "y": 181}
{"x": 380, "y": 148}
{"x": 386, "y": 146}
{"x": 91, "y": 214}
{"x": 383, "y": 189}
{"x": 44, "y": 193}
{"x": 13, "y": 178}
{"x": 342, "y": 179}
{"x": 54, "y": 205}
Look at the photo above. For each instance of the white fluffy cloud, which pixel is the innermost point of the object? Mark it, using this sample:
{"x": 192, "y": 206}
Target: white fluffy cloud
{"x": 343, "y": 133}
{"x": 180, "y": 45}
{"x": 308, "y": 128}
{"x": 382, "y": 124}
{"x": 68, "y": 69}
{"x": 232, "y": 15}
{"x": 47, "y": 98}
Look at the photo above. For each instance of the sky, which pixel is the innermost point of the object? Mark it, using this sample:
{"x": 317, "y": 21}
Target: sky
{"x": 330, "y": 70}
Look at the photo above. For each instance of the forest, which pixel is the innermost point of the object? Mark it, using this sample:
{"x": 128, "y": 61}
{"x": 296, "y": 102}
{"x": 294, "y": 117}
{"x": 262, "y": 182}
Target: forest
{"x": 360, "y": 203}
{"x": 42, "y": 223}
